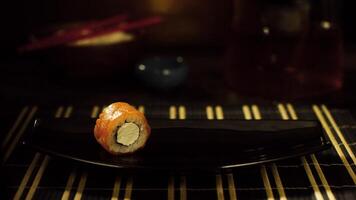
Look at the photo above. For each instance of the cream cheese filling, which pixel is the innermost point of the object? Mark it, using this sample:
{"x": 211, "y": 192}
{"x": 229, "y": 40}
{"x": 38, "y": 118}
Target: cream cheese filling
{"x": 127, "y": 134}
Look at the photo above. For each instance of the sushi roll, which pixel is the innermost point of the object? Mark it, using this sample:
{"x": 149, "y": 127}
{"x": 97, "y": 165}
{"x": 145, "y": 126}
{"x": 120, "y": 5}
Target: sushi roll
{"x": 121, "y": 129}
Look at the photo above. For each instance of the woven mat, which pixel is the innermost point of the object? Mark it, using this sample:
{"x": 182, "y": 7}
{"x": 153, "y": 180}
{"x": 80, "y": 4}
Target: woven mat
{"x": 325, "y": 175}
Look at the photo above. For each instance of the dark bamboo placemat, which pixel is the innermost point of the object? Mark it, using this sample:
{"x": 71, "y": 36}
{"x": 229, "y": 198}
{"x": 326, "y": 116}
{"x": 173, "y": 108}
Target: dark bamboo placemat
{"x": 326, "y": 175}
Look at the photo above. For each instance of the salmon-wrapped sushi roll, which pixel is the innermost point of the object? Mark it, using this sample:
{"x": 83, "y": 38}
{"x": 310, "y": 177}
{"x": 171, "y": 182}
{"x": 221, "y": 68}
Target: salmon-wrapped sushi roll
{"x": 121, "y": 129}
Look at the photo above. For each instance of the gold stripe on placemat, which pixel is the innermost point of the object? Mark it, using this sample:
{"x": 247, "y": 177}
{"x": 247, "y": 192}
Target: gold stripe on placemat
{"x": 317, "y": 167}
{"x": 38, "y": 178}
{"x": 84, "y": 176}
{"x": 311, "y": 178}
{"x": 283, "y": 112}
{"x": 278, "y": 181}
{"x": 68, "y": 112}
{"x": 172, "y": 112}
{"x": 209, "y": 112}
{"x": 14, "y": 127}
{"x": 116, "y": 188}
{"x": 95, "y": 112}
{"x": 182, "y": 114}
{"x": 266, "y": 183}
{"x": 247, "y": 112}
{"x": 248, "y": 116}
{"x": 230, "y": 177}
{"x": 141, "y": 108}
{"x": 338, "y": 132}
{"x": 27, "y": 176}
{"x": 170, "y": 189}
{"x": 292, "y": 112}
{"x": 128, "y": 189}
{"x": 81, "y": 186}
{"x": 59, "y": 112}
{"x": 322, "y": 177}
{"x": 69, "y": 185}
{"x": 219, "y": 187}
{"x": 183, "y": 188}
{"x": 73, "y": 174}
{"x": 334, "y": 142}
{"x": 257, "y": 116}
{"x": 219, "y": 112}
{"x": 19, "y": 134}
{"x": 231, "y": 185}
{"x": 256, "y": 112}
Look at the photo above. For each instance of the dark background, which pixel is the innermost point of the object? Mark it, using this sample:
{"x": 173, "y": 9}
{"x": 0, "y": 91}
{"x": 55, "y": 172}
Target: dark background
{"x": 19, "y": 19}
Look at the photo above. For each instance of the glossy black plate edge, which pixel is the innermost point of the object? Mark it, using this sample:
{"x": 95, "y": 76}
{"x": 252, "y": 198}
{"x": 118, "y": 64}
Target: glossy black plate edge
{"x": 323, "y": 145}
{"x": 315, "y": 149}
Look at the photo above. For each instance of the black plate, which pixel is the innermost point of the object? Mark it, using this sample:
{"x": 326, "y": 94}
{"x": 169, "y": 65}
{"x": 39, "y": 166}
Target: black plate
{"x": 184, "y": 145}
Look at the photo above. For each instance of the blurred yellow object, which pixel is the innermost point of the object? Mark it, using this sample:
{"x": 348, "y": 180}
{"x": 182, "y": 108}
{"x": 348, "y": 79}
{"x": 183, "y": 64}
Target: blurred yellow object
{"x": 161, "y": 6}
{"x": 104, "y": 40}
{"x": 187, "y": 22}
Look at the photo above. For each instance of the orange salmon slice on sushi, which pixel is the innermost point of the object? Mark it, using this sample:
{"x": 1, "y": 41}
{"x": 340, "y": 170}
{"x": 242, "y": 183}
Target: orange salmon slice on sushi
{"x": 121, "y": 129}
